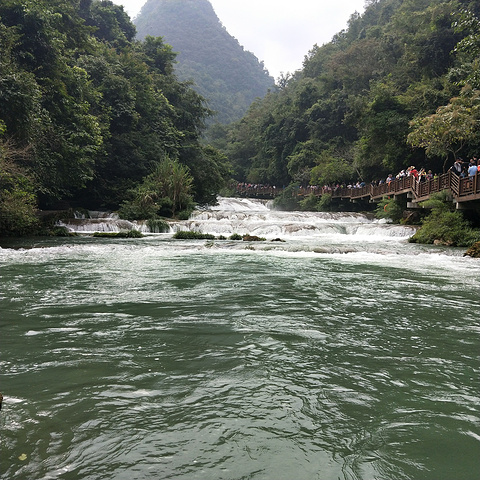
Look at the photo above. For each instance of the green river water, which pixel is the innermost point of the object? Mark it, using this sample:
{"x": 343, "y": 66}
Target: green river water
{"x": 323, "y": 357}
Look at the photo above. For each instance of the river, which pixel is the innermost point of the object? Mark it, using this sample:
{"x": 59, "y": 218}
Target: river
{"x": 341, "y": 352}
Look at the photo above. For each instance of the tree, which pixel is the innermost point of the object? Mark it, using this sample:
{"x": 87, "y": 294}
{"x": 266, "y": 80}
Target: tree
{"x": 469, "y": 48}
{"x": 449, "y": 128}
{"x": 165, "y": 192}
{"x": 17, "y": 194}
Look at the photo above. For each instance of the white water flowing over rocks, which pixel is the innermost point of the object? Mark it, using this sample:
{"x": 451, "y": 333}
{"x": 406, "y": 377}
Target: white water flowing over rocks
{"x": 255, "y": 217}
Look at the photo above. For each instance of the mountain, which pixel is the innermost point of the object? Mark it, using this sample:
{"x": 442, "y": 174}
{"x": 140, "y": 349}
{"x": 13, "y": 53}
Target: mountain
{"x": 228, "y": 76}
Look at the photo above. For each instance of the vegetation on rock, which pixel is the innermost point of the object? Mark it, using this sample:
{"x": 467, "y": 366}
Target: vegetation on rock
{"x": 473, "y": 251}
{"x": 129, "y": 234}
{"x": 444, "y": 226}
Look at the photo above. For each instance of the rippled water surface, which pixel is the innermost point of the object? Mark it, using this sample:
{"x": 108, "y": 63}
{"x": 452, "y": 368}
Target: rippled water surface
{"x": 161, "y": 359}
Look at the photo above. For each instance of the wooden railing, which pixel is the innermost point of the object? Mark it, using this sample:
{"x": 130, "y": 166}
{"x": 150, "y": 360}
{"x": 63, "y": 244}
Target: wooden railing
{"x": 462, "y": 189}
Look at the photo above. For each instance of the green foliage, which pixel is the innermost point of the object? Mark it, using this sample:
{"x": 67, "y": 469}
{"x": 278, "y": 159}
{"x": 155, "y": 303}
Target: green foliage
{"x": 165, "y": 192}
{"x": 390, "y": 209}
{"x": 18, "y": 203}
{"x": 97, "y": 110}
{"x": 191, "y": 235}
{"x": 325, "y": 203}
{"x": 288, "y": 199}
{"x": 17, "y": 212}
{"x": 444, "y": 226}
{"x": 253, "y": 238}
{"x": 346, "y": 116}
{"x": 468, "y": 24}
{"x": 309, "y": 203}
{"x": 129, "y": 234}
{"x": 235, "y": 236}
{"x": 447, "y": 130}
{"x": 156, "y": 225}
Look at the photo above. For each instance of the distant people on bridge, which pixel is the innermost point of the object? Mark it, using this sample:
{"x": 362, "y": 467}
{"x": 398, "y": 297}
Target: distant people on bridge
{"x": 472, "y": 169}
{"x": 412, "y": 172}
{"x": 457, "y": 167}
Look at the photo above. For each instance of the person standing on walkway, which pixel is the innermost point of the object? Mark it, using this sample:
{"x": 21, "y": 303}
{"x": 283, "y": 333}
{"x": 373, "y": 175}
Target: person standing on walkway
{"x": 472, "y": 170}
{"x": 457, "y": 166}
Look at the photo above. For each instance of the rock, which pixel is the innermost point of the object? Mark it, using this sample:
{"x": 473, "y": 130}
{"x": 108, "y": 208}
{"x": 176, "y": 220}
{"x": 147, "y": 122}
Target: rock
{"x": 473, "y": 251}
{"x": 252, "y": 238}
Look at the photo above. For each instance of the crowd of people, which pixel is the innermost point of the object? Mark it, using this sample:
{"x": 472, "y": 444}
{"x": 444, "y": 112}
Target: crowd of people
{"x": 464, "y": 169}
{"x": 461, "y": 168}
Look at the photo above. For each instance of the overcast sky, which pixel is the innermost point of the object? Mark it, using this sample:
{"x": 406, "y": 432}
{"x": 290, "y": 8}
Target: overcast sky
{"x": 279, "y": 32}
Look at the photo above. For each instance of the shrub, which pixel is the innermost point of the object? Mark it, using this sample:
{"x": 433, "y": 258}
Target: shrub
{"x": 444, "y": 225}
{"x": 191, "y": 235}
{"x": 157, "y": 225}
{"x": 288, "y": 199}
{"x": 253, "y": 238}
{"x": 389, "y": 209}
{"x": 129, "y": 234}
{"x": 325, "y": 203}
{"x": 309, "y": 203}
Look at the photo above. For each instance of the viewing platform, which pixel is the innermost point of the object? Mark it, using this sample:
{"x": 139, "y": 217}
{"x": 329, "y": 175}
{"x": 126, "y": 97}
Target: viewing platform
{"x": 463, "y": 190}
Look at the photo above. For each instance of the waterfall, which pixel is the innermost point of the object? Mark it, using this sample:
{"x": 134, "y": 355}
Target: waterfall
{"x": 255, "y": 217}
{"x": 109, "y": 223}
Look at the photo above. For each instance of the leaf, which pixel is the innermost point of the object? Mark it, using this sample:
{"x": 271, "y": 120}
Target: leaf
{"x": 23, "y": 457}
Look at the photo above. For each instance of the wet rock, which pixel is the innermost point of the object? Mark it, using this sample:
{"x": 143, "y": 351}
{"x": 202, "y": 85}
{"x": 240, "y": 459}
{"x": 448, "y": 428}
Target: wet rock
{"x": 473, "y": 251}
{"x": 252, "y": 238}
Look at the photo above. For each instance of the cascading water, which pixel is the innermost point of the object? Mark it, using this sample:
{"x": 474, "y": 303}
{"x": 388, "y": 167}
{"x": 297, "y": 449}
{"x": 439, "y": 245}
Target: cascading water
{"x": 255, "y": 217}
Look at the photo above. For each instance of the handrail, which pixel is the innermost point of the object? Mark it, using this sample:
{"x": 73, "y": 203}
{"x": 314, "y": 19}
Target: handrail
{"x": 462, "y": 189}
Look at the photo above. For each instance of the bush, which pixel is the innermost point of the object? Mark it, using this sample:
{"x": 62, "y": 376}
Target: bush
{"x": 309, "y": 203}
{"x": 129, "y": 234}
{"x": 389, "y": 209}
{"x": 288, "y": 199}
{"x": 156, "y": 225}
{"x": 191, "y": 235}
{"x": 17, "y": 213}
{"x": 253, "y": 238}
{"x": 325, "y": 203}
{"x": 446, "y": 228}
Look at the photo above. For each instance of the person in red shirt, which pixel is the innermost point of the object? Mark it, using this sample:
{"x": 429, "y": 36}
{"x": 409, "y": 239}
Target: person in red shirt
{"x": 413, "y": 172}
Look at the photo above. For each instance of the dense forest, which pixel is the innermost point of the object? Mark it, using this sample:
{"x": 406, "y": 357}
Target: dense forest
{"x": 91, "y": 117}
{"x": 399, "y": 87}
{"x": 228, "y": 76}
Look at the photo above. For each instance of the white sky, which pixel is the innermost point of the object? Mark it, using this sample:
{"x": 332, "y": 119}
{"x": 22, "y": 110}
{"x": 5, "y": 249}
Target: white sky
{"x": 279, "y": 32}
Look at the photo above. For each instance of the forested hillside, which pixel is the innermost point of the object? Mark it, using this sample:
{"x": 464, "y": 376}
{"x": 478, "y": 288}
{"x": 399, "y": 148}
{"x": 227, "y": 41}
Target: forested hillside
{"x": 228, "y": 76}
{"x": 90, "y": 117}
{"x": 399, "y": 87}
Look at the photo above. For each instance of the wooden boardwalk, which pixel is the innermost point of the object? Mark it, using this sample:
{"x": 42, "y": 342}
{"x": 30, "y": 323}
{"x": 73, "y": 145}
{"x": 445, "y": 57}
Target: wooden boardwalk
{"x": 463, "y": 190}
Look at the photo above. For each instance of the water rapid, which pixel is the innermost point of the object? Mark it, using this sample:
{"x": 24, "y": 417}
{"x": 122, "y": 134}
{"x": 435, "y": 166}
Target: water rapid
{"x": 340, "y": 352}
